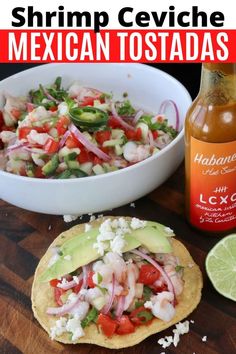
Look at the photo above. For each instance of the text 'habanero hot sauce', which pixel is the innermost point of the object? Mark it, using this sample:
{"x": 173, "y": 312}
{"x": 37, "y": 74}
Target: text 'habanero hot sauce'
{"x": 210, "y": 151}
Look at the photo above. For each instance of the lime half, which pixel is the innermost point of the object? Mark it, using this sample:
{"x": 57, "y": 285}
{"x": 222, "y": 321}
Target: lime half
{"x": 221, "y": 266}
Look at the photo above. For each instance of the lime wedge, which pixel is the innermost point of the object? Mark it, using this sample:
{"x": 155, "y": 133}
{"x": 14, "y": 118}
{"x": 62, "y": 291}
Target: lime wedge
{"x": 221, "y": 266}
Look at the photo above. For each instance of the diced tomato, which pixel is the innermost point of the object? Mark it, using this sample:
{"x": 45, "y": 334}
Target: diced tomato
{"x": 89, "y": 100}
{"x": 102, "y": 136}
{"x": 108, "y": 325}
{"x": 148, "y": 274}
{"x": 51, "y": 146}
{"x": 72, "y": 142}
{"x": 85, "y": 156}
{"x": 113, "y": 123}
{"x": 77, "y": 288}
{"x": 125, "y": 326}
{"x": 90, "y": 279}
{"x": 54, "y": 282}
{"x": 53, "y": 109}
{"x": 16, "y": 113}
{"x": 62, "y": 125}
{"x": 155, "y": 134}
{"x": 135, "y": 135}
{"x": 159, "y": 289}
{"x": 7, "y": 128}
{"x": 57, "y": 295}
{"x": 24, "y": 131}
{"x": 139, "y": 320}
{"x": 106, "y": 149}
{"x": 38, "y": 173}
{"x": 97, "y": 161}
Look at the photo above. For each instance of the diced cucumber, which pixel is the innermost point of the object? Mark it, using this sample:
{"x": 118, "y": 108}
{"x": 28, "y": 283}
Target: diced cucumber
{"x": 78, "y": 173}
{"x": 73, "y": 164}
{"x": 155, "y": 150}
{"x": 112, "y": 142}
{"x": 63, "y": 152}
{"x": 99, "y": 302}
{"x": 87, "y": 167}
{"x": 98, "y": 169}
{"x": 102, "y": 106}
{"x": 70, "y": 157}
{"x": 144, "y": 128}
{"x": 117, "y": 133}
{"x": 118, "y": 150}
{"x": 51, "y": 165}
{"x": 108, "y": 168}
{"x": 64, "y": 175}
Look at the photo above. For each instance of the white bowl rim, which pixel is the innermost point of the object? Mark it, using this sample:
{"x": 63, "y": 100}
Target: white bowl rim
{"x": 108, "y": 174}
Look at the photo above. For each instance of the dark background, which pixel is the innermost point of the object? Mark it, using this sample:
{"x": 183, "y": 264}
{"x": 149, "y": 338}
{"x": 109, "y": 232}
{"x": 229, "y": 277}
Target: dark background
{"x": 188, "y": 74}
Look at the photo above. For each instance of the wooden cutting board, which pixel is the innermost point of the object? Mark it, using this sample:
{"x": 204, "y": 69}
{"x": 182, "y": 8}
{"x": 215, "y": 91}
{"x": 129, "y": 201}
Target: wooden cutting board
{"x": 24, "y": 238}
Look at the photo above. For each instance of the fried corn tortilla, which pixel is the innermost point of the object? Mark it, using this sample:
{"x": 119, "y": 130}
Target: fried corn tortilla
{"x": 42, "y": 298}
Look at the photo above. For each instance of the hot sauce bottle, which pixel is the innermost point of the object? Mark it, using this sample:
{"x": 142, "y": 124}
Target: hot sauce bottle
{"x": 210, "y": 151}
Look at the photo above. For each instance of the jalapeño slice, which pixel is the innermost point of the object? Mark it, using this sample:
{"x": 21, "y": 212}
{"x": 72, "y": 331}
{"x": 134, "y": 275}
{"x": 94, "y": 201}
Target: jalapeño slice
{"x": 88, "y": 117}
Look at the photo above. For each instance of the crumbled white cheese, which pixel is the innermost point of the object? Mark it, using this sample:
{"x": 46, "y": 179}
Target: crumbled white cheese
{"x": 49, "y": 227}
{"x": 180, "y": 329}
{"x": 168, "y": 230}
{"x": 137, "y": 224}
{"x": 70, "y": 218}
{"x": 165, "y": 342}
{"x": 74, "y": 326}
{"x": 204, "y": 339}
{"x": 132, "y": 205}
{"x": 112, "y": 232}
{"x": 192, "y": 321}
{"x": 59, "y": 328}
{"x": 64, "y": 281}
{"x": 53, "y": 259}
{"x": 118, "y": 244}
{"x": 76, "y": 279}
{"x": 100, "y": 216}
{"x": 87, "y": 227}
{"x": 67, "y": 257}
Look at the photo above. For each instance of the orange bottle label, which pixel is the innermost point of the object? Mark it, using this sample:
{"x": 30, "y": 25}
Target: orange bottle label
{"x": 212, "y": 185}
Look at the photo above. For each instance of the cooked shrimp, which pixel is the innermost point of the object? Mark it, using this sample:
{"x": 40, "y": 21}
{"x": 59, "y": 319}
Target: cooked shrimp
{"x": 134, "y": 153}
{"x": 170, "y": 264}
{"x": 117, "y": 264}
{"x": 161, "y": 305}
{"x": 132, "y": 276}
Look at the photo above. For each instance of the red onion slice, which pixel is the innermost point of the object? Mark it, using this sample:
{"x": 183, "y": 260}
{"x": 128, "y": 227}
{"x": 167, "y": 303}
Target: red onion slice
{"x": 70, "y": 284}
{"x": 120, "y": 306}
{"x": 63, "y": 139}
{"x": 108, "y": 306}
{"x": 137, "y": 116}
{"x": 163, "y": 108}
{"x": 158, "y": 267}
{"x": 30, "y": 107}
{"x": 119, "y": 119}
{"x": 151, "y": 140}
{"x": 15, "y": 147}
{"x": 91, "y": 147}
{"x": 62, "y": 310}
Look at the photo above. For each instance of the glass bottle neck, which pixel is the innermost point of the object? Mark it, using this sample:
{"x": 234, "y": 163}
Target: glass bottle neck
{"x": 218, "y": 84}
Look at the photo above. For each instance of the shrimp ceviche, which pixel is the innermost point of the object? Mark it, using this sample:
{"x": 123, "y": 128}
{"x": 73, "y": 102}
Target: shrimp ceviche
{"x": 78, "y": 132}
{"x": 118, "y": 276}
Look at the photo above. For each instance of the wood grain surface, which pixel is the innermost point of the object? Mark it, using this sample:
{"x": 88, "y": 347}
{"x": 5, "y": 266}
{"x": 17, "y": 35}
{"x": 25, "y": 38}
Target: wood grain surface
{"x": 24, "y": 238}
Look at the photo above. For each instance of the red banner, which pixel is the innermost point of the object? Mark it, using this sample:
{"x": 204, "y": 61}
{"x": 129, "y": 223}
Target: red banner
{"x": 152, "y": 46}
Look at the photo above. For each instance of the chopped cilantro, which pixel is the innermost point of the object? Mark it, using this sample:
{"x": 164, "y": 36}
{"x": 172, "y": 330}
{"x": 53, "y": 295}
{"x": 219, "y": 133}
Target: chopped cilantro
{"x": 126, "y": 109}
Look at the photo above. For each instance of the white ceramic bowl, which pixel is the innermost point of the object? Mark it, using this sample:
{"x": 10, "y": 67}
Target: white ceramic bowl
{"x": 147, "y": 88}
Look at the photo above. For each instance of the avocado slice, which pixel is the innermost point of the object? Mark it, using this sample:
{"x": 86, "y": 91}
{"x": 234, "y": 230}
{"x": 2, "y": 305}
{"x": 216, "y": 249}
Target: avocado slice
{"x": 79, "y": 250}
{"x": 153, "y": 239}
